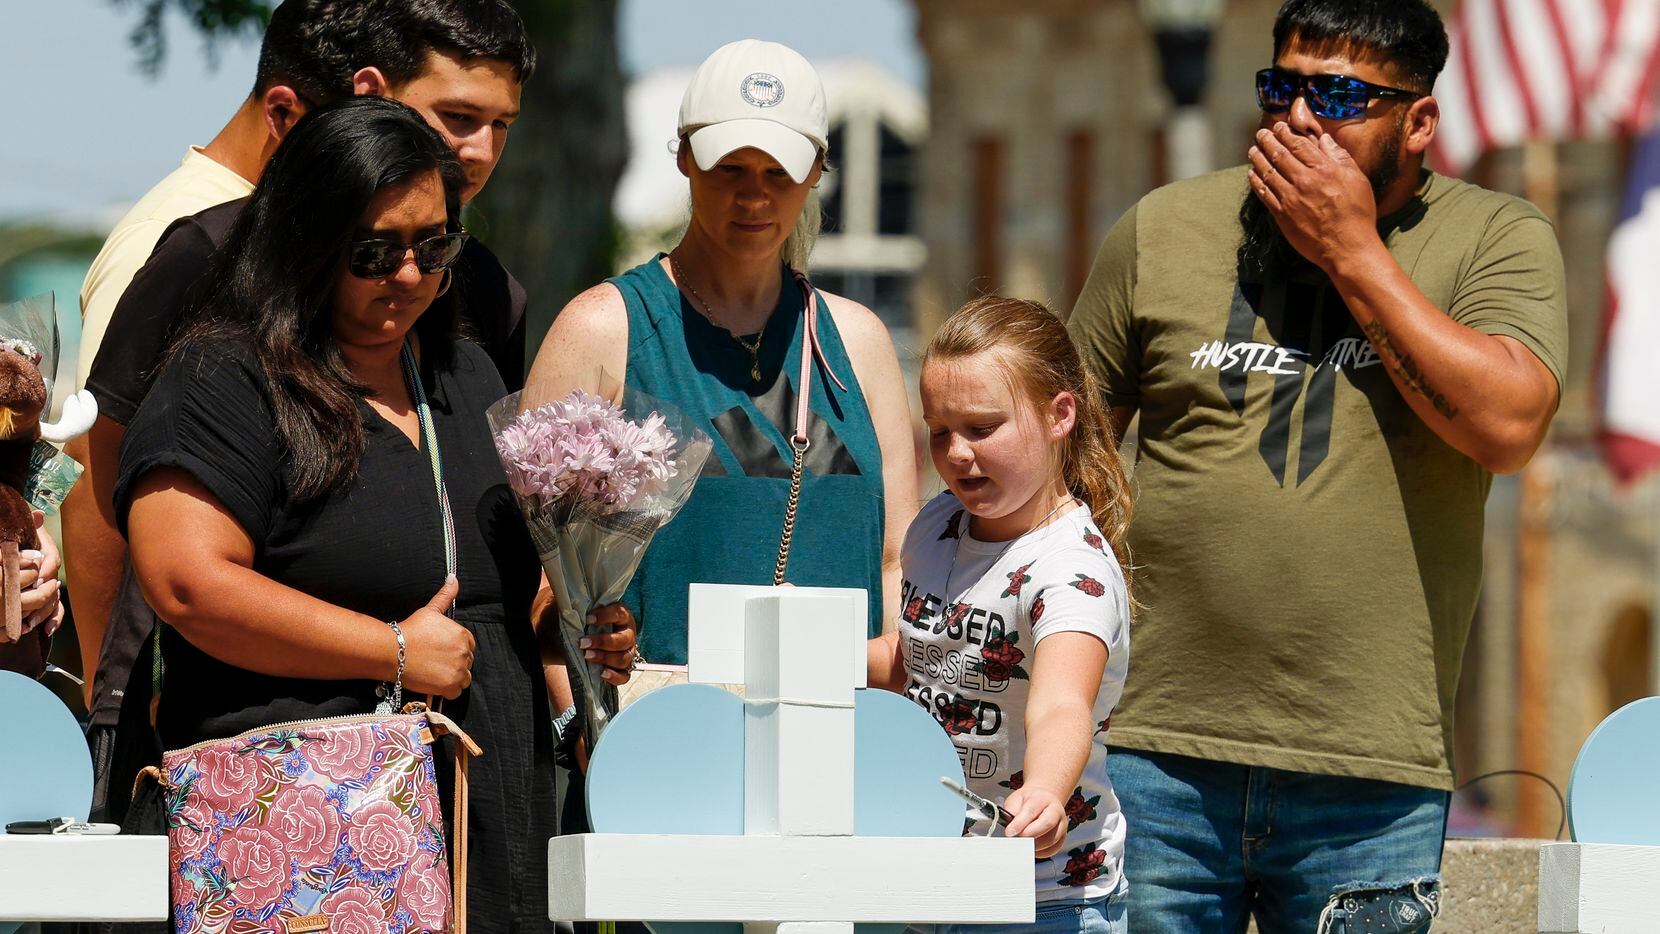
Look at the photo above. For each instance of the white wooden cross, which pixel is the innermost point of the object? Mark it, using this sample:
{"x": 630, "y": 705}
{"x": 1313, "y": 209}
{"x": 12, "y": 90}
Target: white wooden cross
{"x": 1602, "y": 887}
{"x": 798, "y": 868}
{"x": 82, "y": 878}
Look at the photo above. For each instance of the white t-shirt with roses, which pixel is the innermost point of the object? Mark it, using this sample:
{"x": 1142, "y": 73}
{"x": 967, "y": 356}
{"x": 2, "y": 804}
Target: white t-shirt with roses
{"x": 974, "y": 613}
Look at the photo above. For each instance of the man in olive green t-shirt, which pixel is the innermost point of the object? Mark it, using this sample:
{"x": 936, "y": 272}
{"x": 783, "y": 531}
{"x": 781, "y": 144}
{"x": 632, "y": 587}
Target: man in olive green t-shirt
{"x": 1332, "y": 350}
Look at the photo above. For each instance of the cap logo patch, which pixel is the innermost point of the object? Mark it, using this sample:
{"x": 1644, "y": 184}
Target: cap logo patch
{"x": 762, "y": 90}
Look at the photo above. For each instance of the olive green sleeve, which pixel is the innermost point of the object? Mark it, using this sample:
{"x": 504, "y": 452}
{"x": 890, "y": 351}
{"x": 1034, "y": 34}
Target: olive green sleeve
{"x": 1102, "y": 322}
{"x": 1515, "y": 286}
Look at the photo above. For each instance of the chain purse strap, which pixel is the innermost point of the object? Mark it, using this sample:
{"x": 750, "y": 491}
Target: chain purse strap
{"x": 810, "y": 350}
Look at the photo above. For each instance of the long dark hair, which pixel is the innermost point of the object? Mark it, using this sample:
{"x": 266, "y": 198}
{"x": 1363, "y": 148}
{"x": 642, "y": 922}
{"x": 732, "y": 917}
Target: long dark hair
{"x": 271, "y": 285}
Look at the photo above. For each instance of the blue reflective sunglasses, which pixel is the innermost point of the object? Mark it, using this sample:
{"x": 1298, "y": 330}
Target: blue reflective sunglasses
{"x": 1332, "y": 97}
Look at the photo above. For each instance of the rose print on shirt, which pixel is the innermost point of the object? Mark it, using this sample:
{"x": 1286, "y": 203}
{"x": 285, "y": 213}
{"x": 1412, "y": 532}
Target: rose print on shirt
{"x": 1080, "y": 810}
{"x": 1016, "y": 781}
{"x": 1094, "y": 540}
{"x": 913, "y": 610}
{"x": 959, "y": 717}
{"x": 1083, "y": 865}
{"x": 1089, "y": 585}
{"x": 1017, "y": 578}
{"x": 1103, "y": 726}
{"x": 1000, "y": 658}
{"x": 952, "y": 618}
{"x": 1037, "y": 610}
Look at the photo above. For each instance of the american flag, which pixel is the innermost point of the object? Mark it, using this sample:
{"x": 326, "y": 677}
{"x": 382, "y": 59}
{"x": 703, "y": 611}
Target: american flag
{"x": 1630, "y": 389}
{"x": 1544, "y": 69}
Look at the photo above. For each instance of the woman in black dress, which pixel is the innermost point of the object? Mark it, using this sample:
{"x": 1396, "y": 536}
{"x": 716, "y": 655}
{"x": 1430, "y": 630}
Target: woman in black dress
{"x": 285, "y": 495}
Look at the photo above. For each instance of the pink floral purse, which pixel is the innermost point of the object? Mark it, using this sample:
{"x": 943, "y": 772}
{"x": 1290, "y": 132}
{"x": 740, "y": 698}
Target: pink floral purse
{"x": 317, "y": 825}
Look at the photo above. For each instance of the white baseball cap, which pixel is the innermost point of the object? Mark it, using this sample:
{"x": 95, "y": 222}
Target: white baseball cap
{"x": 756, "y": 94}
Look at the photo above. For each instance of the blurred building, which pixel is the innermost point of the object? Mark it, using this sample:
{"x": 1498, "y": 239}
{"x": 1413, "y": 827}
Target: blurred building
{"x": 1049, "y": 118}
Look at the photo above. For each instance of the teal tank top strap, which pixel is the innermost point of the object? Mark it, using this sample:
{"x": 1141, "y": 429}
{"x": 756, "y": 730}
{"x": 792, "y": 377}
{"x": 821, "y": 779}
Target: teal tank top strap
{"x": 728, "y": 531}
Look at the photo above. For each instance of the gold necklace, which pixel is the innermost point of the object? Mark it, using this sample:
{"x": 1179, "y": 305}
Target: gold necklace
{"x": 753, "y": 346}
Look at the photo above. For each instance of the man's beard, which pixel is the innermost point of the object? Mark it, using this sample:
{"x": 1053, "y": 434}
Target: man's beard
{"x": 1265, "y": 253}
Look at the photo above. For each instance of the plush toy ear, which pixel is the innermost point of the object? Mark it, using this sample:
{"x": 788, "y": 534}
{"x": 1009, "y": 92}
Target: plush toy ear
{"x": 79, "y": 412}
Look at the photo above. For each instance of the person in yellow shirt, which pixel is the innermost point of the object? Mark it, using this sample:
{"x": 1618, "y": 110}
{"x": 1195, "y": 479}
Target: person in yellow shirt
{"x": 304, "y": 61}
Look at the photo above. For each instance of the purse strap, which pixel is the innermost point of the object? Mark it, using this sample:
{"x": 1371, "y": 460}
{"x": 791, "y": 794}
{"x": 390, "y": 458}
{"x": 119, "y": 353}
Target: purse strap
{"x": 811, "y": 350}
{"x": 465, "y": 747}
{"x": 429, "y": 436}
{"x": 465, "y": 750}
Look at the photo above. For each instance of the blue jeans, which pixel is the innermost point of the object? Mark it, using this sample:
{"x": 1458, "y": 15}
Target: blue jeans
{"x": 1211, "y": 844}
{"x": 1104, "y": 915}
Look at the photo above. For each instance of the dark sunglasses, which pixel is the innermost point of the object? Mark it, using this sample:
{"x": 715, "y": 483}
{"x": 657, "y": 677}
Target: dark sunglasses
{"x": 1333, "y": 97}
{"x": 377, "y": 259}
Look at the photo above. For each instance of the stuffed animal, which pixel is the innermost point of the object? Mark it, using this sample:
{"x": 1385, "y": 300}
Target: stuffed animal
{"x": 22, "y": 400}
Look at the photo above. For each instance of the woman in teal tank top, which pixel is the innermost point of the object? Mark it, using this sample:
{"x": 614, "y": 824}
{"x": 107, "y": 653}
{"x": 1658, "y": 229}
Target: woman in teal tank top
{"x": 716, "y": 327}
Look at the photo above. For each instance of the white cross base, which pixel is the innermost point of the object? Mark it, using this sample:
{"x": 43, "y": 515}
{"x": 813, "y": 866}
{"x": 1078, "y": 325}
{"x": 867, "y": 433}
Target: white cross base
{"x": 53, "y": 877}
{"x": 1602, "y": 887}
{"x": 798, "y": 869}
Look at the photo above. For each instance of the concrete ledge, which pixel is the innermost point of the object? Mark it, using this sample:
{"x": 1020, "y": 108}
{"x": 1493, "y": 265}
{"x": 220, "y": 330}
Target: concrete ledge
{"x": 1489, "y": 885}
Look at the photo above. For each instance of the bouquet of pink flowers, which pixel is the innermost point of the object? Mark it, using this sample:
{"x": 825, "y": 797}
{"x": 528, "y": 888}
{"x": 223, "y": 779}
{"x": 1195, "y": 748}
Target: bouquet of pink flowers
{"x": 595, "y": 481}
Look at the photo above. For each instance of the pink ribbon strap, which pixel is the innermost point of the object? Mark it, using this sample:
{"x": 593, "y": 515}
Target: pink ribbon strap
{"x": 810, "y": 350}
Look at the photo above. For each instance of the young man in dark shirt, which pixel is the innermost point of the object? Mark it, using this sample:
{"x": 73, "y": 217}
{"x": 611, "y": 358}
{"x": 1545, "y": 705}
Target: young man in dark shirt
{"x": 460, "y": 64}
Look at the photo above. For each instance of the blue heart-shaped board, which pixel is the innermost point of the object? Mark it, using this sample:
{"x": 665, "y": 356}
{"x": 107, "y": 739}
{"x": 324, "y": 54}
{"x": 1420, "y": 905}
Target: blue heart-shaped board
{"x": 48, "y": 770}
{"x": 673, "y": 762}
{"x": 1611, "y": 795}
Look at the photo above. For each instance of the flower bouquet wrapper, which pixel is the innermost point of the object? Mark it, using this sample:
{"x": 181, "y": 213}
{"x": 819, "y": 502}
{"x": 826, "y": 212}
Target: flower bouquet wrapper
{"x": 595, "y": 480}
{"x": 30, "y": 326}
{"x": 34, "y": 320}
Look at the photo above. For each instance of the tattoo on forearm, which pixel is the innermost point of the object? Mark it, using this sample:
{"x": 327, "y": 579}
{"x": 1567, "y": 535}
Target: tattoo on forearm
{"x": 1407, "y": 369}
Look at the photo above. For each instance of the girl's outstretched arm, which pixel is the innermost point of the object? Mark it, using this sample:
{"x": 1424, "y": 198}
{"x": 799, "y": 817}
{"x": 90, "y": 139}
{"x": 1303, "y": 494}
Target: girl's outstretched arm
{"x": 885, "y": 665}
{"x": 1060, "y": 727}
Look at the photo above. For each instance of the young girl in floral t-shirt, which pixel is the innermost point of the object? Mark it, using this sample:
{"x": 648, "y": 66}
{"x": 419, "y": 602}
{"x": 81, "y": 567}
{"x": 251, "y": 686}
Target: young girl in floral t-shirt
{"x": 1015, "y": 630}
